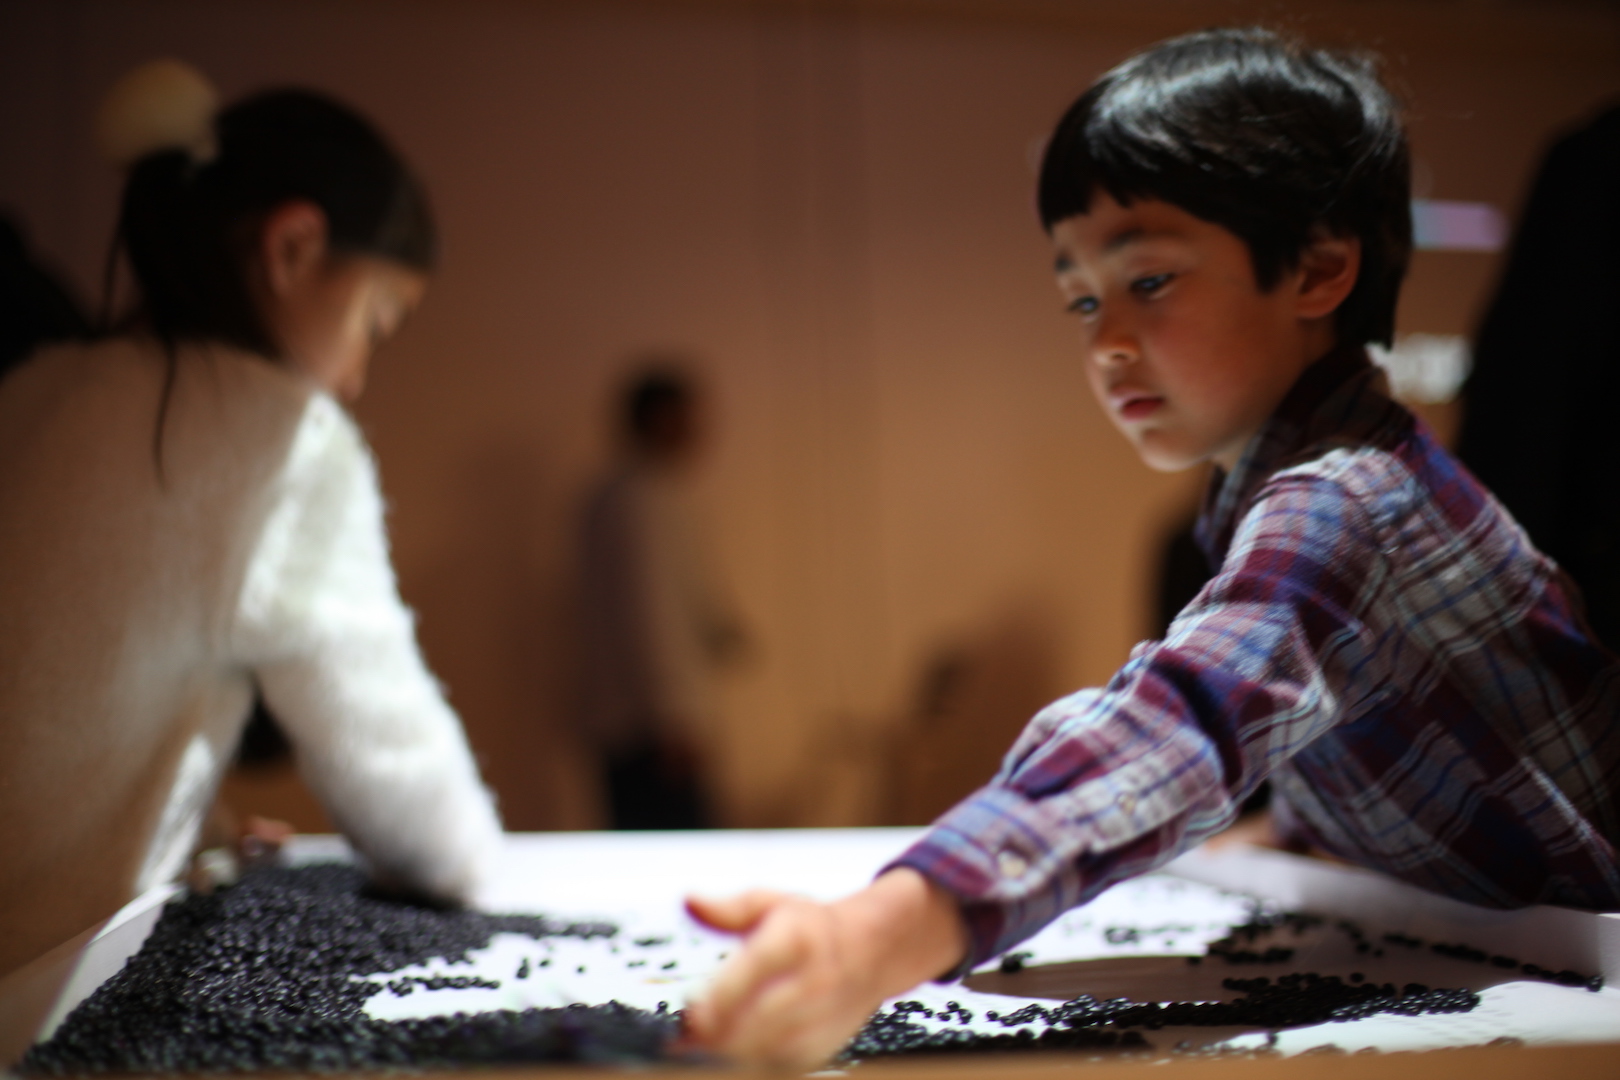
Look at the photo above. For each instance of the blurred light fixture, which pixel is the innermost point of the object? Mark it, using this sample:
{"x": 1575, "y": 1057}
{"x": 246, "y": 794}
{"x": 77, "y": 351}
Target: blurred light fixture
{"x": 1445, "y": 225}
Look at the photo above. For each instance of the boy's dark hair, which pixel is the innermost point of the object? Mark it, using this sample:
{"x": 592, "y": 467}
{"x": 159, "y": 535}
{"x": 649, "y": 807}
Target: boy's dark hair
{"x": 188, "y": 226}
{"x": 1260, "y": 135}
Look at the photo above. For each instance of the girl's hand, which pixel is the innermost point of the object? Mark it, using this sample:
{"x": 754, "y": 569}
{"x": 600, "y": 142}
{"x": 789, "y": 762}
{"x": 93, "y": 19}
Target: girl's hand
{"x": 262, "y": 839}
{"x": 810, "y": 974}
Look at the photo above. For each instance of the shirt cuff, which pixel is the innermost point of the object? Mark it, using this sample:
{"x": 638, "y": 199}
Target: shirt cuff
{"x": 1009, "y": 862}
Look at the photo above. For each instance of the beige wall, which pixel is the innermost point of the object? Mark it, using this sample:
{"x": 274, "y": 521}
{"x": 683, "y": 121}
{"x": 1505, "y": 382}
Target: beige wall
{"x": 832, "y": 206}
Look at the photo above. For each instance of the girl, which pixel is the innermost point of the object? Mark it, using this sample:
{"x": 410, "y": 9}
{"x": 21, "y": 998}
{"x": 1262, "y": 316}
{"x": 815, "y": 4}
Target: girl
{"x": 188, "y": 517}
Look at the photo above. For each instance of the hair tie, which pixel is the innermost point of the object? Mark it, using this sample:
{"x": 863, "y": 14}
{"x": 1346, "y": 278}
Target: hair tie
{"x": 160, "y": 105}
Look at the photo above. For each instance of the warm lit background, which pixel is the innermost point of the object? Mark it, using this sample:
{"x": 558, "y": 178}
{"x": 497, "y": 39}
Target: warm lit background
{"x": 830, "y": 204}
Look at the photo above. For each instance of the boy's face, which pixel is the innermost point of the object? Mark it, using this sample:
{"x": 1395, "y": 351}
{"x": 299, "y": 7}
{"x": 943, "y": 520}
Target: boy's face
{"x": 1185, "y": 354}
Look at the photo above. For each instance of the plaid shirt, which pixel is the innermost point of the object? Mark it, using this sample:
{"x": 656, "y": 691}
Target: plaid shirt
{"x": 1381, "y": 641}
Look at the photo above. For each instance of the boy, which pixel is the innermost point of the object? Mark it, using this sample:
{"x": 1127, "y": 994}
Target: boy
{"x": 1230, "y": 216}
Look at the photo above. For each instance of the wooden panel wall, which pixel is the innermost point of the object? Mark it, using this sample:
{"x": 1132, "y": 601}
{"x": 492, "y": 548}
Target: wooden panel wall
{"x": 928, "y": 523}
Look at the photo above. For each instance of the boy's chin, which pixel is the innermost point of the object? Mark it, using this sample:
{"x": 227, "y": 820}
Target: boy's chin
{"x": 1167, "y": 459}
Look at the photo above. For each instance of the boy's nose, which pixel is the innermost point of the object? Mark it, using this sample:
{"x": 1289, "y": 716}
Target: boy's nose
{"x": 1113, "y": 356}
{"x": 1113, "y": 352}
{"x": 1113, "y": 345}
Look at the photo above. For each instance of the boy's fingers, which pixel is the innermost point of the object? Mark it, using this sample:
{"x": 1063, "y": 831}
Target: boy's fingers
{"x": 797, "y": 1023}
{"x": 775, "y": 949}
{"x": 733, "y": 914}
{"x": 779, "y": 1026}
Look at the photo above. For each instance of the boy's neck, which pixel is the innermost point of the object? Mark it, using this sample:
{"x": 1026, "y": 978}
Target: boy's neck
{"x": 1318, "y": 341}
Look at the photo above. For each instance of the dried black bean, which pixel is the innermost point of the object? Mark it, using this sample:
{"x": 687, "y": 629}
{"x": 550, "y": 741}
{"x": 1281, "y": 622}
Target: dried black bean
{"x": 1013, "y": 963}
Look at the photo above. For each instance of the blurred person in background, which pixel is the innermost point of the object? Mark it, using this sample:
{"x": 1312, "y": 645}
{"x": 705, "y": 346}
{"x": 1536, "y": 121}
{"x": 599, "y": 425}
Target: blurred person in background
{"x": 189, "y": 517}
{"x": 35, "y": 306}
{"x": 1538, "y": 427}
{"x": 657, "y": 627}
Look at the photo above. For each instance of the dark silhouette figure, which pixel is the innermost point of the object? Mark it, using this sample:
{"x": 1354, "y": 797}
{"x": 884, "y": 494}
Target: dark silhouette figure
{"x": 35, "y": 307}
{"x": 1540, "y": 426}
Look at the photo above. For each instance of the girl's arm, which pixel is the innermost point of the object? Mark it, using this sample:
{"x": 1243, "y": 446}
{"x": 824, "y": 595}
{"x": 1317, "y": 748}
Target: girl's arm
{"x": 334, "y": 651}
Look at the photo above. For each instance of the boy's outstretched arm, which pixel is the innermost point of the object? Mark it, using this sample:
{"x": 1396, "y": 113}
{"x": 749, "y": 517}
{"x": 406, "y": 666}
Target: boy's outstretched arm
{"x": 809, "y": 974}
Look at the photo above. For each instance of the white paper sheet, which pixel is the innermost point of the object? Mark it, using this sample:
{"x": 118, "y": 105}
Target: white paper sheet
{"x": 1132, "y": 941}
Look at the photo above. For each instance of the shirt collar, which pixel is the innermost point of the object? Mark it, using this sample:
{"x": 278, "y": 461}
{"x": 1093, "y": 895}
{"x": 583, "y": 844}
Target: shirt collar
{"x": 1337, "y": 394}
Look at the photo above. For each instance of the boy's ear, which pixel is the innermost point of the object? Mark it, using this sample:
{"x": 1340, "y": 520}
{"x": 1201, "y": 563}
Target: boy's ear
{"x": 292, "y": 244}
{"x": 1328, "y": 268}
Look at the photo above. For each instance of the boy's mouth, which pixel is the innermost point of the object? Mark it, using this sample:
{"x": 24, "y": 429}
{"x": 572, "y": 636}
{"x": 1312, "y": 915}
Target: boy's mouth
{"x": 1135, "y": 405}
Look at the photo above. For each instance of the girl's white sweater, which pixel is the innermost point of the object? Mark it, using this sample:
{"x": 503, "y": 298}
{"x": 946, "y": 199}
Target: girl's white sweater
{"x": 140, "y": 605}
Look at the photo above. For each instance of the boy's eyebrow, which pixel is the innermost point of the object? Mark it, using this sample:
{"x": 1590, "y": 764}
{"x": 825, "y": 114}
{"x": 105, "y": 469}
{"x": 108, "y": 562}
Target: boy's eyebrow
{"x": 1129, "y": 236}
{"x": 1064, "y": 263}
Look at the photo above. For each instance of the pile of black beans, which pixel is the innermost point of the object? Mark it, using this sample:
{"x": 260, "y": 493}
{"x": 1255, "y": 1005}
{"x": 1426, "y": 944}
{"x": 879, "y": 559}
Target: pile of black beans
{"x": 891, "y": 1033}
{"x": 262, "y": 976}
{"x": 1088, "y": 1024}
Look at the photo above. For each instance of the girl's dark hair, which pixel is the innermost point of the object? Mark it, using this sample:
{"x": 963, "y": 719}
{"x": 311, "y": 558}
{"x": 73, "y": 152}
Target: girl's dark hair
{"x": 188, "y": 226}
{"x": 1258, "y": 134}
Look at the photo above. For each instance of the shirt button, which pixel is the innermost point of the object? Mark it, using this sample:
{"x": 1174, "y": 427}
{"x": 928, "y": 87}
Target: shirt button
{"x": 1011, "y": 864}
{"x": 1126, "y": 802}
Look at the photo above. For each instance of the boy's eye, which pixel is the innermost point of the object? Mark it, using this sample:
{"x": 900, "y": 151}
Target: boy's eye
{"x": 1083, "y": 305}
{"x": 1149, "y": 285}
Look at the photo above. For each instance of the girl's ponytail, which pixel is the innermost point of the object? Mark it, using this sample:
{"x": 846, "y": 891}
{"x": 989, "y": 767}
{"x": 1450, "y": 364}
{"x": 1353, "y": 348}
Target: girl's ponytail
{"x": 200, "y": 184}
{"x": 190, "y": 278}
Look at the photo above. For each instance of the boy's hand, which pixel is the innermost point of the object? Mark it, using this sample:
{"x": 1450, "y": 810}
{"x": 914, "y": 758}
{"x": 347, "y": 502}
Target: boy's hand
{"x": 810, "y": 974}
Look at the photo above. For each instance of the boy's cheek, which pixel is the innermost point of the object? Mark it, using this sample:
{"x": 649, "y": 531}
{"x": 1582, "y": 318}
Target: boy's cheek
{"x": 1099, "y": 392}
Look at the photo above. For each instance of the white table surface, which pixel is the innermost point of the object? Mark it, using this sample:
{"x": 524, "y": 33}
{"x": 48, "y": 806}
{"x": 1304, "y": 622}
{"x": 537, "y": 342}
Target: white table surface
{"x": 639, "y": 879}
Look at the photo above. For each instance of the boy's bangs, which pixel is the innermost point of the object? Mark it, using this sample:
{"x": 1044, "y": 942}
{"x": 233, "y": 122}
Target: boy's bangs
{"x": 1256, "y": 134}
{"x": 1133, "y": 153}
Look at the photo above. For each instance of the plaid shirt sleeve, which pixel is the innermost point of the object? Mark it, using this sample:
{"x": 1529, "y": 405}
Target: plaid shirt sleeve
{"x": 1108, "y": 784}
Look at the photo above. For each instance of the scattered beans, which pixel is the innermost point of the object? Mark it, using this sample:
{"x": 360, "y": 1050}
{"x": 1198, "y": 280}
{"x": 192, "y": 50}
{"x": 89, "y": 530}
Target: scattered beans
{"x": 1232, "y": 950}
{"x": 1088, "y": 1024}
